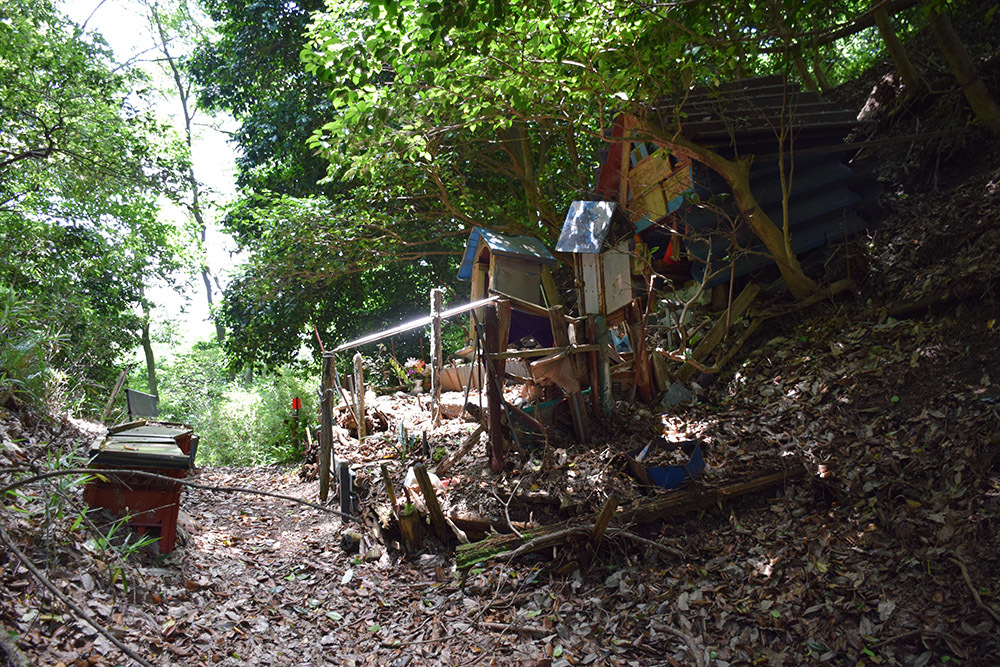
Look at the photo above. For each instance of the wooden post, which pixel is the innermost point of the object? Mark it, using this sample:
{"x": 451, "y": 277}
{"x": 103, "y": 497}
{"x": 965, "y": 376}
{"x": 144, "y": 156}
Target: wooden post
{"x": 493, "y": 387}
{"x": 503, "y": 333}
{"x": 437, "y": 354}
{"x": 640, "y": 358}
{"x": 326, "y": 425}
{"x": 389, "y": 487}
{"x": 549, "y": 291}
{"x": 560, "y": 337}
{"x": 603, "y": 364}
{"x": 346, "y": 482}
{"x": 595, "y": 397}
{"x": 433, "y": 506}
{"x": 114, "y": 393}
{"x": 359, "y": 395}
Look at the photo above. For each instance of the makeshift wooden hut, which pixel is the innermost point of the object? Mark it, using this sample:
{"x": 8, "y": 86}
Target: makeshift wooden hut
{"x": 680, "y": 207}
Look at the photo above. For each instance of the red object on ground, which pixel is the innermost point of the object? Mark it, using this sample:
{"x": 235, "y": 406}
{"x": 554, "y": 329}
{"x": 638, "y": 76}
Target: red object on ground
{"x": 162, "y": 449}
{"x": 149, "y": 503}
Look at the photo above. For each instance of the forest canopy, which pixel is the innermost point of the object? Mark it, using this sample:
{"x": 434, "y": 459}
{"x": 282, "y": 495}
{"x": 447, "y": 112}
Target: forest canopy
{"x": 81, "y": 167}
{"x": 405, "y": 124}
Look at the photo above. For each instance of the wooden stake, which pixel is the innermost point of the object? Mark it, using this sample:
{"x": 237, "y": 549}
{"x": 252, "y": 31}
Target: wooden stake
{"x": 326, "y": 425}
{"x": 411, "y": 528}
{"x": 494, "y": 381}
{"x": 437, "y": 354}
{"x": 114, "y": 393}
{"x": 719, "y": 330}
{"x": 560, "y": 337}
{"x": 592, "y": 363}
{"x": 601, "y": 524}
{"x": 467, "y": 446}
{"x": 359, "y": 395}
{"x": 640, "y": 359}
{"x": 433, "y": 506}
{"x": 389, "y": 487}
{"x": 603, "y": 364}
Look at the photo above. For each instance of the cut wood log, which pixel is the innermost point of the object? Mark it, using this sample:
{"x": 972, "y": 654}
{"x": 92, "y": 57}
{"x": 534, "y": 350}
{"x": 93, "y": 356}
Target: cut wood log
{"x": 479, "y": 527}
{"x": 671, "y": 504}
{"x": 388, "y": 486}
{"x": 411, "y": 529}
{"x": 441, "y": 527}
{"x": 445, "y": 465}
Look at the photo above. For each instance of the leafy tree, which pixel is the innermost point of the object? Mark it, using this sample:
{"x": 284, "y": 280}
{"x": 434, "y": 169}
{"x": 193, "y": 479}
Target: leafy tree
{"x": 558, "y": 65}
{"x": 79, "y": 169}
{"x": 316, "y": 246}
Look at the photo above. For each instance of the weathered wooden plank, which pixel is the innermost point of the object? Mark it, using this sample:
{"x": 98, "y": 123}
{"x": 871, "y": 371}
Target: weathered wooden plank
{"x": 719, "y": 330}
{"x": 545, "y": 351}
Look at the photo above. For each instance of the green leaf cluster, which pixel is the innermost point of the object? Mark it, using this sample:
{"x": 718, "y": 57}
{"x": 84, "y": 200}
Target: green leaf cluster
{"x": 80, "y": 169}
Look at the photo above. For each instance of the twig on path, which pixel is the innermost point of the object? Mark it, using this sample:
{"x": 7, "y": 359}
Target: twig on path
{"x": 522, "y": 629}
{"x": 673, "y": 551}
{"x": 975, "y": 594}
{"x": 919, "y": 632}
{"x": 78, "y": 611}
{"x": 104, "y": 472}
{"x": 697, "y": 654}
{"x": 506, "y": 507}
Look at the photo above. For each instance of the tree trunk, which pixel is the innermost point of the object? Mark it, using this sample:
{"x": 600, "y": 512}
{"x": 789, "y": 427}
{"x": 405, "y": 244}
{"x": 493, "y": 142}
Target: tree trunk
{"x": 978, "y": 95}
{"x": 773, "y": 237}
{"x": 907, "y": 72}
{"x": 183, "y": 95}
{"x": 803, "y": 69}
{"x": 737, "y": 175}
{"x": 147, "y": 347}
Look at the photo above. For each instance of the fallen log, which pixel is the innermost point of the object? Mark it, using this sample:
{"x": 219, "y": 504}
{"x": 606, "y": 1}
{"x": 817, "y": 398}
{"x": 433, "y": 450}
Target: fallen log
{"x": 671, "y": 504}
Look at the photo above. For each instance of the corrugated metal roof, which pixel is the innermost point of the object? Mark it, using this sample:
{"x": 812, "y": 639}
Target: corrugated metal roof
{"x": 520, "y": 246}
{"x": 831, "y": 197}
{"x": 750, "y": 112}
{"x": 587, "y": 226}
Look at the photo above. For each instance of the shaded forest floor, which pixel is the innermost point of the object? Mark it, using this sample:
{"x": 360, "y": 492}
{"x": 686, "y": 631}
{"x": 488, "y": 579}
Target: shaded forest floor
{"x": 887, "y": 553}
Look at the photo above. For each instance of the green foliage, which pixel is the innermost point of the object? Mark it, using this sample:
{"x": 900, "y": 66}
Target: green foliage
{"x": 239, "y": 423}
{"x": 80, "y": 168}
{"x": 25, "y": 351}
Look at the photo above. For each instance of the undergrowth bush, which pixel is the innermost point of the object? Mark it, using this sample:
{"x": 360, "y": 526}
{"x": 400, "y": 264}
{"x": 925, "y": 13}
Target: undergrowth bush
{"x": 239, "y": 423}
{"x": 26, "y": 350}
